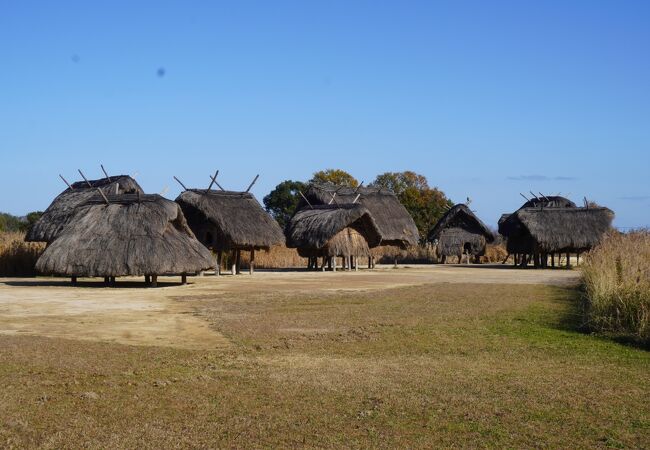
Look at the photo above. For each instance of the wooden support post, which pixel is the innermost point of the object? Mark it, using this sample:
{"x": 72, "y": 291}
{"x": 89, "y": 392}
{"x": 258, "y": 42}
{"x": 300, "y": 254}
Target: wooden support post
{"x": 147, "y": 279}
{"x": 183, "y": 278}
{"x": 568, "y": 259}
{"x": 552, "y": 259}
{"x": 217, "y": 270}
{"x": 324, "y": 263}
{"x": 395, "y": 266}
{"x": 73, "y": 280}
{"x": 356, "y": 263}
{"x": 233, "y": 263}
{"x": 349, "y": 262}
{"x": 329, "y": 263}
{"x": 251, "y": 268}
{"x": 107, "y": 280}
{"x": 333, "y": 263}
{"x": 238, "y": 261}
{"x": 154, "y": 281}
{"x": 577, "y": 258}
{"x": 369, "y": 262}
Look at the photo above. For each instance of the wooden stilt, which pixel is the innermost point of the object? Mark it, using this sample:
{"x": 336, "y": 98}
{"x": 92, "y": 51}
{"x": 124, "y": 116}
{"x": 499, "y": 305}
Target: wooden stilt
{"x": 356, "y": 263}
{"x": 217, "y": 270}
{"x": 107, "y": 280}
{"x": 552, "y": 259}
{"x": 251, "y": 269}
{"x": 349, "y": 263}
{"x": 568, "y": 259}
{"x": 154, "y": 281}
{"x": 73, "y": 280}
{"x": 322, "y": 267}
{"x": 395, "y": 266}
{"x": 333, "y": 264}
{"x": 577, "y": 258}
{"x": 183, "y": 279}
{"x": 147, "y": 279}
{"x": 329, "y": 263}
{"x": 238, "y": 261}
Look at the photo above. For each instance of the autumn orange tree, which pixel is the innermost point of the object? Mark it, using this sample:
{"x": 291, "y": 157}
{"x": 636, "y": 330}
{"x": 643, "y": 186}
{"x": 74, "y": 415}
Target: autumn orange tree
{"x": 336, "y": 176}
{"x": 425, "y": 204}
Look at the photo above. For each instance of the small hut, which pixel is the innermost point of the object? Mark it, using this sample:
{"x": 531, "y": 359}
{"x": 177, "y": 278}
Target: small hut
{"x": 131, "y": 235}
{"x": 331, "y": 231}
{"x": 230, "y": 221}
{"x": 459, "y": 232}
{"x": 396, "y": 226}
{"x": 536, "y": 232}
{"x": 58, "y": 214}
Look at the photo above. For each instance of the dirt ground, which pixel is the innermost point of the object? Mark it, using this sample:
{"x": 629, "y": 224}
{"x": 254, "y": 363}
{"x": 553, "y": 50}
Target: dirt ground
{"x": 132, "y": 314}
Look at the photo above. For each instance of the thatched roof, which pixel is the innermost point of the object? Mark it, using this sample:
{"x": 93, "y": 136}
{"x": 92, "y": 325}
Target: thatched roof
{"x": 459, "y": 231}
{"x": 460, "y": 216}
{"x": 551, "y": 201}
{"x": 225, "y": 220}
{"x": 395, "y": 224}
{"x": 58, "y": 214}
{"x": 133, "y": 235}
{"x": 313, "y": 229}
{"x": 555, "y": 229}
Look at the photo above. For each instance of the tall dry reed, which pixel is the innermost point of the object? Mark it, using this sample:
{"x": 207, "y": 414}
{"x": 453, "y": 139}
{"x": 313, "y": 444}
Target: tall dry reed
{"x": 617, "y": 285}
{"x": 17, "y": 257}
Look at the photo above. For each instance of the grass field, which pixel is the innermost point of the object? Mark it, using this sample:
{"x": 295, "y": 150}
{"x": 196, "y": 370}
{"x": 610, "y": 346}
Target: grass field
{"x": 437, "y": 365}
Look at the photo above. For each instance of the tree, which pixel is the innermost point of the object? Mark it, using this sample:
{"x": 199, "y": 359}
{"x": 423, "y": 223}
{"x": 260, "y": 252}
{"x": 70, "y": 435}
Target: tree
{"x": 336, "y": 176}
{"x": 425, "y": 204}
{"x": 282, "y": 201}
{"x": 30, "y": 220}
{"x": 10, "y": 222}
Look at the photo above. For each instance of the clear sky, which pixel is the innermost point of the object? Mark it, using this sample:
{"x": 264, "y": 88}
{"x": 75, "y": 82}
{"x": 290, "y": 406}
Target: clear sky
{"x": 487, "y": 99}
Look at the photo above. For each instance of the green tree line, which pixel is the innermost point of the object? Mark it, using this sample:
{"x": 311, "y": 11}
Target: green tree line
{"x": 9, "y": 222}
{"x": 425, "y": 204}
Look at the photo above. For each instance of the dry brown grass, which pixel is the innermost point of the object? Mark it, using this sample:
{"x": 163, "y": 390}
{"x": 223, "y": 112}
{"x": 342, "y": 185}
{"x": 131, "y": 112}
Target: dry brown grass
{"x": 494, "y": 253}
{"x": 17, "y": 257}
{"x": 428, "y": 366}
{"x": 617, "y": 283}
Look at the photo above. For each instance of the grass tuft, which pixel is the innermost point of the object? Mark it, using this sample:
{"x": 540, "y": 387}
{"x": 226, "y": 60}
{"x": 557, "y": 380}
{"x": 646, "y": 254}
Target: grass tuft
{"x": 617, "y": 285}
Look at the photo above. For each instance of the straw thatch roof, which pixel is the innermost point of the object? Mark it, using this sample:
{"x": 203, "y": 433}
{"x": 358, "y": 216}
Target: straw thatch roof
{"x": 58, "y": 214}
{"x": 225, "y": 220}
{"x": 329, "y": 230}
{"x": 554, "y": 230}
{"x": 551, "y": 201}
{"x": 395, "y": 224}
{"x": 460, "y": 231}
{"x": 133, "y": 235}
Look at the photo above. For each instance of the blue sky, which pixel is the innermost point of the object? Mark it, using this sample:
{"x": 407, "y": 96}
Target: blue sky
{"x": 486, "y": 99}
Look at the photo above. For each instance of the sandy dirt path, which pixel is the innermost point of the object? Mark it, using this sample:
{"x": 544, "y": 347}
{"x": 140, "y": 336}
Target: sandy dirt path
{"x": 132, "y": 314}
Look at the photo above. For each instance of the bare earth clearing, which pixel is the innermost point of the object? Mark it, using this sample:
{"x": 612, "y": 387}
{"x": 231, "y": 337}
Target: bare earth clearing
{"x": 131, "y": 314}
{"x": 426, "y": 357}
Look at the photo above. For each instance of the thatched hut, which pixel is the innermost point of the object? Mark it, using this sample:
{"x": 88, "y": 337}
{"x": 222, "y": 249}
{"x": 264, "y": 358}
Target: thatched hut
{"x": 58, "y": 214}
{"x": 459, "y": 232}
{"x": 132, "y": 235}
{"x": 396, "y": 226}
{"x": 535, "y": 233}
{"x": 331, "y": 231}
{"x": 229, "y": 221}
